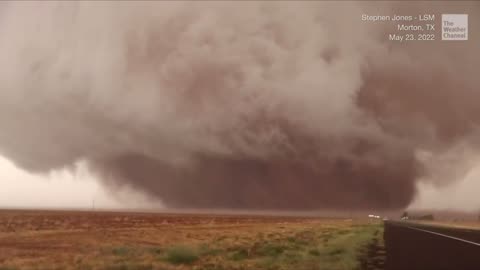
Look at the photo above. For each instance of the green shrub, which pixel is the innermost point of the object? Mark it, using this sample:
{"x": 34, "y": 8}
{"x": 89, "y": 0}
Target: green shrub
{"x": 239, "y": 255}
{"x": 272, "y": 250}
{"x": 129, "y": 266}
{"x": 336, "y": 251}
{"x": 206, "y": 250}
{"x": 314, "y": 252}
{"x": 156, "y": 250}
{"x": 121, "y": 251}
{"x": 181, "y": 255}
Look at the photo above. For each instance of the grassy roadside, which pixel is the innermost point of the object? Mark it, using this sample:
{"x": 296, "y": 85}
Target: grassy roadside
{"x": 332, "y": 248}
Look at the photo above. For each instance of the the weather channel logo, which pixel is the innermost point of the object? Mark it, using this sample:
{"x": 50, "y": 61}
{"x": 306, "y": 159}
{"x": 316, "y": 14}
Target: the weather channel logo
{"x": 454, "y": 26}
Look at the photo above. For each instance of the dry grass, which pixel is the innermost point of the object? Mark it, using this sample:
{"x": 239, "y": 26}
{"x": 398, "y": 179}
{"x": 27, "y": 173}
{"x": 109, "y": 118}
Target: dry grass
{"x": 473, "y": 225}
{"x": 130, "y": 241}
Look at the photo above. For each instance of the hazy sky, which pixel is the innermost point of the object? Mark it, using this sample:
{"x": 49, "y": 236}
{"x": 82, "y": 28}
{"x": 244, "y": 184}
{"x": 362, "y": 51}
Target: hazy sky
{"x": 62, "y": 189}
{"x": 461, "y": 195}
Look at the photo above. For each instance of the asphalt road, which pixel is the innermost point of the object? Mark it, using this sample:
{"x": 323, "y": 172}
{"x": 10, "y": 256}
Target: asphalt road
{"x": 411, "y": 246}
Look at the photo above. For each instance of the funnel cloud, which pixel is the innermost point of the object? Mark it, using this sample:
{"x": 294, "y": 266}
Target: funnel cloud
{"x": 239, "y": 105}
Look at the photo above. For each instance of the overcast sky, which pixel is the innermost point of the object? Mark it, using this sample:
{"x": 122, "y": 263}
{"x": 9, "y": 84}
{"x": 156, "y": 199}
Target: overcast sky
{"x": 60, "y": 189}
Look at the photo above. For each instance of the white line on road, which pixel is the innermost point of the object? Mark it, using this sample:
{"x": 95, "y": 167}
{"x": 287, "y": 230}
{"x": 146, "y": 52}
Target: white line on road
{"x": 444, "y": 235}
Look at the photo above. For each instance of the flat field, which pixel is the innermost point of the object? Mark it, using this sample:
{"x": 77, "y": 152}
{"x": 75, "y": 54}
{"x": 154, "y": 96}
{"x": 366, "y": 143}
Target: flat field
{"x": 474, "y": 225}
{"x": 134, "y": 241}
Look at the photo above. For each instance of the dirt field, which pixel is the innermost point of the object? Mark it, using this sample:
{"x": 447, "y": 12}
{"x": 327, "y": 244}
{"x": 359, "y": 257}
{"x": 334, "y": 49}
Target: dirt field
{"x": 102, "y": 240}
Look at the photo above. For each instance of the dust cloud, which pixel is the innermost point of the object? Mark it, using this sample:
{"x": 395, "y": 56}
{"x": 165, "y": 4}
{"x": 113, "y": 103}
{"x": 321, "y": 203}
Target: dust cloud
{"x": 239, "y": 105}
